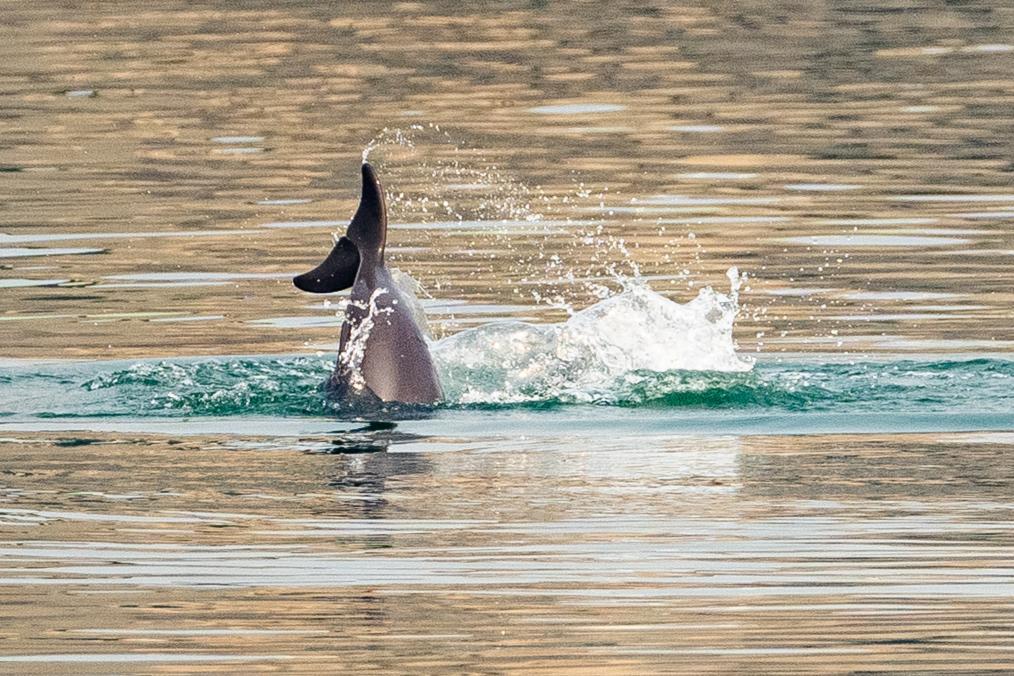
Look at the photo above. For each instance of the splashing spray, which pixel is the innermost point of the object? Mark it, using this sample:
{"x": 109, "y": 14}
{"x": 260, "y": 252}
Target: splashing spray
{"x": 350, "y": 360}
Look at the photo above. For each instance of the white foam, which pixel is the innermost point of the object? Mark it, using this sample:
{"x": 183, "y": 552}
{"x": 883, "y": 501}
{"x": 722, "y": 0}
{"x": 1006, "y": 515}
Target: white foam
{"x": 596, "y": 352}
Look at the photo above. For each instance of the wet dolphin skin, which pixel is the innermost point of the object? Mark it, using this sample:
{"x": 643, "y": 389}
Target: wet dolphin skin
{"x": 382, "y": 354}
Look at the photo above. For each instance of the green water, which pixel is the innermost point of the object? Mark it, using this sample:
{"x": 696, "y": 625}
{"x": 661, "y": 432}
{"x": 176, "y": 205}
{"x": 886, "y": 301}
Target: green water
{"x": 776, "y": 396}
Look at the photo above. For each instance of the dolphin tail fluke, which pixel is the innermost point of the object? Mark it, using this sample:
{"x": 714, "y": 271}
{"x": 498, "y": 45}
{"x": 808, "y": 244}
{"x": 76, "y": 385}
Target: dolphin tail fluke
{"x": 368, "y": 229}
{"x": 336, "y": 273}
{"x": 363, "y": 243}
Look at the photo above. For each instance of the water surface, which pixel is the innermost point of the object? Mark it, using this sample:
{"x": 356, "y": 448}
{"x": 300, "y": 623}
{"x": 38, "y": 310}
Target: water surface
{"x": 623, "y": 487}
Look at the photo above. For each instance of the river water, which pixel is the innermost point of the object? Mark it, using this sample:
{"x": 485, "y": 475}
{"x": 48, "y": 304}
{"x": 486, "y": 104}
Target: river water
{"x": 720, "y": 296}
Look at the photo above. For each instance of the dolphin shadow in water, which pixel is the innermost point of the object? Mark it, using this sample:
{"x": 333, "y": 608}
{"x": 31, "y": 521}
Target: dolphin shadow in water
{"x": 375, "y": 436}
{"x": 362, "y": 467}
{"x": 383, "y": 361}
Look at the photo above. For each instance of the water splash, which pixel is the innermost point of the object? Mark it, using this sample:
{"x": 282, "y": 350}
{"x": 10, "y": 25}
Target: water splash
{"x": 433, "y": 182}
{"x": 409, "y": 289}
{"x": 437, "y": 178}
{"x": 623, "y": 349}
{"x": 598, "y": 354}
{"x": 350, "y": 360}
{"x": 391, "y": 137}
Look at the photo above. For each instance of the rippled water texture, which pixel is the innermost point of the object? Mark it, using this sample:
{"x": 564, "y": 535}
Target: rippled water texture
{"x": 720, "y": 296}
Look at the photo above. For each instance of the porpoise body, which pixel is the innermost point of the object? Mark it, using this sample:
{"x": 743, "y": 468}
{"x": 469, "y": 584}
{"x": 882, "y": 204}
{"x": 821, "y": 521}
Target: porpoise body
{"x": 382, "y": 354}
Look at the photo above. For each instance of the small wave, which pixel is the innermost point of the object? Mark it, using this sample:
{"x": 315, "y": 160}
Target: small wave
{"x": 290, "y": 386}
{"x": 284, "y": 387}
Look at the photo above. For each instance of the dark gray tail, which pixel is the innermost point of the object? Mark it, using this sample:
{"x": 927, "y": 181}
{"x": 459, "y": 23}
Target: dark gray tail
{"x": 336, "y": 273}
{"x": 364, "y": 239}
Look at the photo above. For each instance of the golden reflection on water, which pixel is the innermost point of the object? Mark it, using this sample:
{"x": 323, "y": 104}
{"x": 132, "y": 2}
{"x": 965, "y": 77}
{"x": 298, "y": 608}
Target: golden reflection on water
{"x": 885, "y": 134}
{"x": 822, "y": 553}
